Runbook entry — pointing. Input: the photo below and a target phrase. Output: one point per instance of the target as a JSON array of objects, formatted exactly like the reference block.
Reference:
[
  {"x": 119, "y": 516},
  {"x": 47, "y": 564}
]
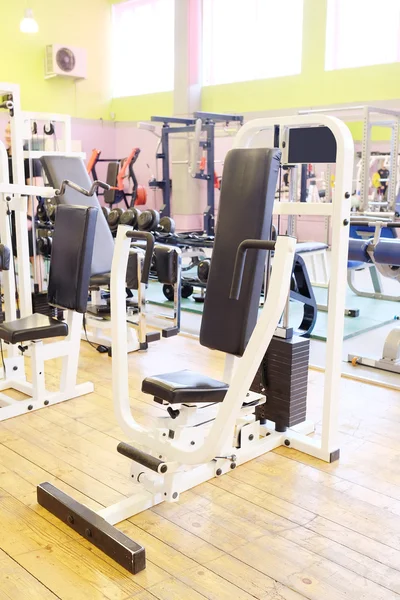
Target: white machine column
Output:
[
  {"x": 20, "y": 203},
  {"x": 188, "y": 194}
]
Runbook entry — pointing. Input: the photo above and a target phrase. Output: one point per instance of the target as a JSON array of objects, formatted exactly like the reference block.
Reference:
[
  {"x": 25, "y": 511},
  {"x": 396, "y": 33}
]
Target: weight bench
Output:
[
  {"x": 364, "y": 231},
  {"x": 68, "y": 289},
  {"x": 384, "y": 256}
]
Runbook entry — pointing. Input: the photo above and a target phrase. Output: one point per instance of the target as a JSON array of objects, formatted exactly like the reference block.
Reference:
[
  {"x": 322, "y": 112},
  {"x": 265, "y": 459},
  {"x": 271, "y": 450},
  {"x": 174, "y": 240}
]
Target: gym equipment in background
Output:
[
  {"x": 201, "y": 165},
  {"x": 368, "y": 200},
  {"x": 98, "y": 323},
  {"x": 120, "y": 175},
  {"x": 68, "y": 290},
  {"x": 384, "y": 254},
  {"x": 363, "y": 228},
  {"x": 211, "y": 427}
]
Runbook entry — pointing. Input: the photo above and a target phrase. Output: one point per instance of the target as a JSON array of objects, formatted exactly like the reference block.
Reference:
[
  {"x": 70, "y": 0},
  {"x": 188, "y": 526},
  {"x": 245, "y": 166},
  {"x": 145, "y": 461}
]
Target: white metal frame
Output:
[
  {"x": 13, "y": 197},
  {"x": 39, "y": 397},
  {"x": 99, "y": 329},
  {"x": 390, "y": 119},
  {"x": 195, "y": 454}
]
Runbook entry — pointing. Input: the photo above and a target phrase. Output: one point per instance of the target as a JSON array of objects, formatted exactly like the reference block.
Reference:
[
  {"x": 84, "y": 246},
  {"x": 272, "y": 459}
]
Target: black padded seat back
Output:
[
  {"x": 245, "y": 211},
  {"x": 71, "y": 256},
  {"x": 111, "y": 179},
  {"x": 58, "y": 168}
]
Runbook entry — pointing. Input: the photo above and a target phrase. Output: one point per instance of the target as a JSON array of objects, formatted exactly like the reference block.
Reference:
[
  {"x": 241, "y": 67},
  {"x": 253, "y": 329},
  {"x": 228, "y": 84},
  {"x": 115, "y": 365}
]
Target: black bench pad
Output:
[
  {"x": 34, "y": 327},
  {"x": 184, "y": 387},
  {"x": 100, "y": 279}
]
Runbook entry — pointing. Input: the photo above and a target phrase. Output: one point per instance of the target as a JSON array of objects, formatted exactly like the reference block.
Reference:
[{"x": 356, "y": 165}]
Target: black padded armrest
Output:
[
  {"x": 149, "y": 239},
  {"x": 240, "y": 260}
]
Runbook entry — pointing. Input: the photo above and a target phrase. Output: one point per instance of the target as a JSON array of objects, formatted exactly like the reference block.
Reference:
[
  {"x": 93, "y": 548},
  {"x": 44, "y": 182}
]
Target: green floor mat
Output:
[{"x": 373, "y": 313}]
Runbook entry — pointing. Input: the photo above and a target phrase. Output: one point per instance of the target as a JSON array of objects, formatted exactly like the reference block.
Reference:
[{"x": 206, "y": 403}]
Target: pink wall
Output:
[
  {"x": 116, "y": 140},
  {"x": 98, "y": 135}
]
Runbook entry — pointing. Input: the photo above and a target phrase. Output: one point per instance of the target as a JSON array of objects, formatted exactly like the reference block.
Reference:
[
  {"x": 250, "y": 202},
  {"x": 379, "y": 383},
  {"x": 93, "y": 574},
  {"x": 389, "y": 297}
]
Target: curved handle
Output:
[
  {"x": 93, "y": 188},
  {"x": 240, "y": 260},
  {"x": 149, "y": 239}
]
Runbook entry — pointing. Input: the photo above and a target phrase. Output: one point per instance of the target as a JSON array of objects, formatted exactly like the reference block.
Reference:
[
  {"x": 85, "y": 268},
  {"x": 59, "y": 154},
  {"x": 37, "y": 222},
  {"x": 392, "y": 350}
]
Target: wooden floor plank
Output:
[
  {"x": 17, "y": 584},
  {"x": 331, "y": 498},
  {"x": 254, "y": 582},
  {"x": 285, "y": 526}
]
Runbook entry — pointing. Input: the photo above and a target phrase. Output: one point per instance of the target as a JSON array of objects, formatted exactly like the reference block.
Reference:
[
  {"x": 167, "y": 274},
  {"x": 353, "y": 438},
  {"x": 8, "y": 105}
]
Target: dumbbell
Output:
[
  {"x": 106, "y": 211},
  {"x": 149, "y": 220},
  {"x": 44, "y": 245},
  {"x": 130, "y": 217},
  {"x": 203, "y": 270},
  {"x": 51, "y": 212},
  {"x": 41, "y": 214},
  {"x": 113, "y": 219}
]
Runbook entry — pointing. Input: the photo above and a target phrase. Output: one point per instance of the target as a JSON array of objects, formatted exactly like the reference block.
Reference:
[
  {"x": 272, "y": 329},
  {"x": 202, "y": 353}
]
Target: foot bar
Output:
[
  {"x": 94, "y": 528},
  {"x": 147, "y": 460}
]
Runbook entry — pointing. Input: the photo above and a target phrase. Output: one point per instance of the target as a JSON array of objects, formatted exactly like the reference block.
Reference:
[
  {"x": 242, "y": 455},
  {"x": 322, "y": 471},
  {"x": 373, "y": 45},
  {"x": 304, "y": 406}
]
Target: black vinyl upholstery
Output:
[
  {"x": 58, "y": 168},
  {"x": 245, "y": 212},
  {"x": 34, "y": 327},
  {"x": 100, "y": 279},
  {"x": 71, "y": 257},
  {"x": 184, "y": 387},
  {"x": 111, "y": 179}
]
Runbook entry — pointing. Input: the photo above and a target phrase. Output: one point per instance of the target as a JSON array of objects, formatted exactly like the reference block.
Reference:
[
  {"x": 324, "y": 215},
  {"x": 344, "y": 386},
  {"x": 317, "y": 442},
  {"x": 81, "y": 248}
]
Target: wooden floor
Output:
[{"x": 283, "y": 527}]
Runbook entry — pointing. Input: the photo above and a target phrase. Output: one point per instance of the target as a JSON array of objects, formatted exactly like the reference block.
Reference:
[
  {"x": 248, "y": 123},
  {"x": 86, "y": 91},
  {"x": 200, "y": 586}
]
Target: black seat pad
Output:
[
  {"x": 184, "y": 387},
  {"x": 34, "y": 327},
  {"x": 100, "y": 279}
]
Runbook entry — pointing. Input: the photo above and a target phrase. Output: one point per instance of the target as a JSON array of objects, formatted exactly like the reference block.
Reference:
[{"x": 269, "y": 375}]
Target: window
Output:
[
  {"x": 251, "y": 39},
  {"x": 143, "y": 47},
  {"x": 361, "y": 33}
]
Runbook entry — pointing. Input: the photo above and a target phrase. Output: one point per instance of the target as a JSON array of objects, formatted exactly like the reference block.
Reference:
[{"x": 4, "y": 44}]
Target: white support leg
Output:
[
  {"x": 70, "y": 361},
  {"x": 37, "y": 364}
]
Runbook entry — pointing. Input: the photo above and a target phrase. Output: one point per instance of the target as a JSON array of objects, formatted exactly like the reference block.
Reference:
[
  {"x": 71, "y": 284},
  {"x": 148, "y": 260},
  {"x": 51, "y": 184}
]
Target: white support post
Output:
[
  {"x": 70, "y": 361},
  {"x": 393, "y": 169},
  {"x": 21, "y": 202},
  {"x": 37, "y": 367},
  {"x": 186, "y": 193},
  {"x": 7, "y": 277}
]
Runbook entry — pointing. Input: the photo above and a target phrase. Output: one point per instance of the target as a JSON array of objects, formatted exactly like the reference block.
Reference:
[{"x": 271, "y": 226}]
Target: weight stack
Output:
[
  {"x": 283, "y": 378},
  {"x": 41, "y": 305}
]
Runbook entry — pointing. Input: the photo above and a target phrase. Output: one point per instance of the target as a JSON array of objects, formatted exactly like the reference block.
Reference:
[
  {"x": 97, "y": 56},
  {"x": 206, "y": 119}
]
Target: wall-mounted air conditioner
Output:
[{"x": 65, "y": 61}]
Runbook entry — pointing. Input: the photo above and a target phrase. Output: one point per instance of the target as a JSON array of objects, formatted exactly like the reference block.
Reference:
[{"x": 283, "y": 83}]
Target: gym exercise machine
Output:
[
  {"x": 364, "y": 228},
  {"x": 211, "y": 427},
  {"x": 97, "y": 322},
  {"x": 27, "y": 332},
  {"x": 201, "y": 163},
  {"x": 374, "y": 117},
  {"x": 120, "y": 175},
  {"x": 384, "y": 254}
]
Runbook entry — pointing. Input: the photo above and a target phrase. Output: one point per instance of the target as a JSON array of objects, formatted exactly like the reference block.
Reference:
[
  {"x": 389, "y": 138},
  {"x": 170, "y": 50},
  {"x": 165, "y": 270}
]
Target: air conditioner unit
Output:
[{"x": 65, "y": 61}]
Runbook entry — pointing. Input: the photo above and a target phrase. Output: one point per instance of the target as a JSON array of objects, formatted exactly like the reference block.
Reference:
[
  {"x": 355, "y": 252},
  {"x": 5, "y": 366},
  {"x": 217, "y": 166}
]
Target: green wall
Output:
[
  {"x": 313, "y": 87},
  {"x": 81, "y": 23},
  {"x": 87, "y": 23}
]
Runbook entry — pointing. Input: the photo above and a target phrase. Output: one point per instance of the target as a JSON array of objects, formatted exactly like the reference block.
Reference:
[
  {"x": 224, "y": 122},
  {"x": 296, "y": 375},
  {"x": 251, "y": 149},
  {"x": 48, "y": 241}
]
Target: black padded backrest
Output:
[
  {"x": 71, "y": 256},
  {"x": 58, "y": 168},
  {"x": 245, "y": 211},
  {"x": 111, "y": 179}
]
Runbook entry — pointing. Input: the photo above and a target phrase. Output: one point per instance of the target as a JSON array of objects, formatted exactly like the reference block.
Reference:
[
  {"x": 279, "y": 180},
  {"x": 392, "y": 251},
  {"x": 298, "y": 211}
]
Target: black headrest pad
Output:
[
  {"x": 71, "y": 257},
  {"x": 245, "y": 211}
]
